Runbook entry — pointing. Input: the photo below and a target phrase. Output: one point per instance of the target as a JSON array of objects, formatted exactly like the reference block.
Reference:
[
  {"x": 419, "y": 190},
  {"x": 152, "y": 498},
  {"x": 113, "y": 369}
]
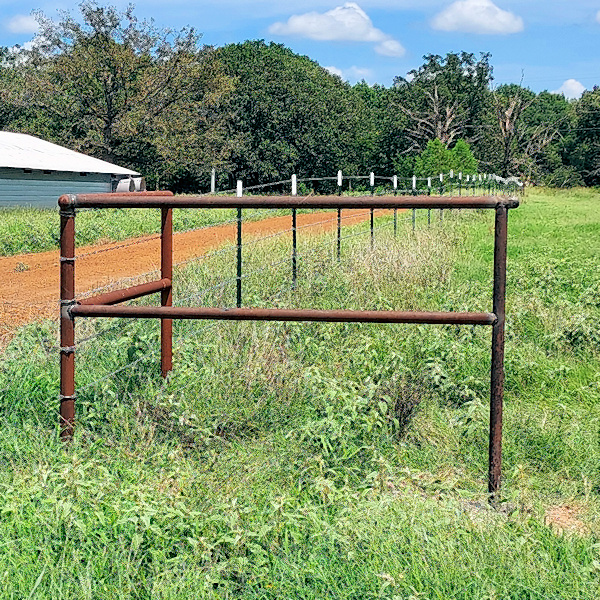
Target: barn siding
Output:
[{"x": 40, "y": 189}]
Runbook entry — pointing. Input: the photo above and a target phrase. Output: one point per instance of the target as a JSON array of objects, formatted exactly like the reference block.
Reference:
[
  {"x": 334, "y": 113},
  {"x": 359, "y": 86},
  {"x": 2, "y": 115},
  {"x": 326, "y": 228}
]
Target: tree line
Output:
[{"x": 161, "y": 102}]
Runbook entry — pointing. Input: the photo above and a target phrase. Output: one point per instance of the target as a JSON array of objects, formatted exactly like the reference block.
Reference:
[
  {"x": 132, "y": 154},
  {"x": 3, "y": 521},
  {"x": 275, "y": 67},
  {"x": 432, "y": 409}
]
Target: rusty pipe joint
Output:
[
  {"x": 66, "y": 205},
  {"x": 66, "y": 308}
]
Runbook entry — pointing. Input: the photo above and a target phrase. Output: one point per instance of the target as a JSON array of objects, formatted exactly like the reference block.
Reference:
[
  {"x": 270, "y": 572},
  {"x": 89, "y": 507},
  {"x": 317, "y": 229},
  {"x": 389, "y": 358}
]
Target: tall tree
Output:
[
  {"x": 585, "y": 151},
  {"x": 380, "y": 132},
  {"x": 526, "y": 126},
  {"x": 291, "y": 115},
  {"x": 444, "y": 98},
  {"x": 106, "y": 82}
]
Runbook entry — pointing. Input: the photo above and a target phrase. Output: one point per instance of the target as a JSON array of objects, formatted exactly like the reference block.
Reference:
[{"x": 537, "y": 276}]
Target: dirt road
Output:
[{"x": 29, "y": 282}]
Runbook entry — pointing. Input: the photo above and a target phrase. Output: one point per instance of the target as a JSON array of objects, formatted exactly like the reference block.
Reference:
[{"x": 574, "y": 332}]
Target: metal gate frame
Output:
[{"x": 106, "y": 305}]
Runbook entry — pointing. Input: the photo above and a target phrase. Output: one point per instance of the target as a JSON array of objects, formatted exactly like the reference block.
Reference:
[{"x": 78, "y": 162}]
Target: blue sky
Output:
[{"x": 550, "y": 44}]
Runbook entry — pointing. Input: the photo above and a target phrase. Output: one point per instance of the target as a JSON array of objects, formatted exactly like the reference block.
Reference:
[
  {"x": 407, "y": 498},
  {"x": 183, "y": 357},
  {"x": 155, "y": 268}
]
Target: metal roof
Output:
[{"x": 22, "y": 151}]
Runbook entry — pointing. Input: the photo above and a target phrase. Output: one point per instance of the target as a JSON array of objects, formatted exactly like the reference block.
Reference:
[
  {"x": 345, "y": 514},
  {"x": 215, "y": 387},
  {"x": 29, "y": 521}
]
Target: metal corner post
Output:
[
  {"x": 497, "y": 368},
  {"x": 67, "y": 322},
  {"x": 166, "y": 295}
]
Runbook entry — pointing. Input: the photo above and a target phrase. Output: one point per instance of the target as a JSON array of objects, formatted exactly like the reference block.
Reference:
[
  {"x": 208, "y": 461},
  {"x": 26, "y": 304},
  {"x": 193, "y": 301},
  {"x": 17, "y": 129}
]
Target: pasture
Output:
[{"x": 314, "y": 461}]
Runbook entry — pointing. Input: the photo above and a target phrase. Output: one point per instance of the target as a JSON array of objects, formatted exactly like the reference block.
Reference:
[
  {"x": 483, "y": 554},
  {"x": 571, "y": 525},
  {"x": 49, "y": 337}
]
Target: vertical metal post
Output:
[
  {"x": 294, "y": 251},
  {"x": 414, "y": 210},
  {"x": 239, "y": 259},
  {"x": 441, "y": 194},
  {"x": 395, "y": 184},
  {"x": 213, "y": 181},
  {"x": 339, "y": 234},
  {"x": 294, "y": 235},
  {"x": 239, "y": 193},
  {"x": 497, "y": 371},
  {"x": 372, "y": 186},
  {"x": 67, "y": 322},
  {"x": 339, "y": 217},
  {"x": 166, "y": 296}
]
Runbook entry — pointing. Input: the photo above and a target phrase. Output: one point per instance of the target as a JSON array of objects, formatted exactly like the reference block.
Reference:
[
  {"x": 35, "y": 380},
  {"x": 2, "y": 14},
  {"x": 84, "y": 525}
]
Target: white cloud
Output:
[
  {"x": 355, "y": 73},
  {"x": 347, "y": 23},
  {"x": 22, "y": 24},
  {"x": 334, "y": 71},
  {"x": 477, "y": 16},
  {"x": 571, "y": 88},
  {"x": 390, "y": 48},
  {"x": 359, "y": 73}
]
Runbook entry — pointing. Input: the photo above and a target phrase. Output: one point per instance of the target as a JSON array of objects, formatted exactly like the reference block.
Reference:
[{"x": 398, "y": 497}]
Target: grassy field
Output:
[
  {"x": 317, "y": 461},
  {"x": 24, "y": 230}
]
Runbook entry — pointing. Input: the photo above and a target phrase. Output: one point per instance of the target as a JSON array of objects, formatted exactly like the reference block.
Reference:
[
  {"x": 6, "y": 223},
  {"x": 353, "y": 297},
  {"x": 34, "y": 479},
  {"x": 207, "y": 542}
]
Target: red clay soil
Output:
[{"x": 29, "y": 282}]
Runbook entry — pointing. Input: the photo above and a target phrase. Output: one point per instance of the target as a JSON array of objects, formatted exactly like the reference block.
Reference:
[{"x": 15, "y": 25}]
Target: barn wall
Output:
[{"x": 40, "y": 189}]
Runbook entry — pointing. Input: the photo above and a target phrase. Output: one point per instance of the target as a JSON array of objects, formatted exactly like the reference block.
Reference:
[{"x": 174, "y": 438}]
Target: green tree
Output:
[
  {"x": 112, "y": 86},
  {"x": 445, "y": 98},
  {"x": 435, "y": 159},
  {"x": 527, "y": 137},
  {"x": 381, "y": 142},
  {"x": 584, "y": 153},
  {"x": 290, "y": 114},
  {"x": 462, "y": 158}
]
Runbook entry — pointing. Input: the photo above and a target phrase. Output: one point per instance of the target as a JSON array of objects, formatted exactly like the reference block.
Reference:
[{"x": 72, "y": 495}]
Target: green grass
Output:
[
  {"x": 322, "y": 460},
  {"x": 24, "y": 230}
]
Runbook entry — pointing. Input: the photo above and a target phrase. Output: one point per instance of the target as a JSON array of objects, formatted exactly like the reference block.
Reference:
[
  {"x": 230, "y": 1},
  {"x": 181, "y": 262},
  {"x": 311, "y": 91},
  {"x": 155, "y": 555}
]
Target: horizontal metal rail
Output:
[
  {"x": 130, "y": 293},
  {"x": 141, "y": 200},
  {"x": 103, "y": 305},
  {"x": 281, "y": 314}
]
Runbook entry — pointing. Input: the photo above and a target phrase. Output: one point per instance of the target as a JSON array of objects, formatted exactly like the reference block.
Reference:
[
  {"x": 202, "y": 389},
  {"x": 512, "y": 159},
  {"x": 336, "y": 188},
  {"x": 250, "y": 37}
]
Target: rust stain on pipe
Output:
[
  {"x": 131, "y": 293},
  {"x": 134, "y": 200},
  {"x": 497, "y": 369},
  {"x": 67, "y": 324},
  {"x": 166, "y": 297},
  {"x": 70, "y": 200},
  {"x": 275, "y": 314}
]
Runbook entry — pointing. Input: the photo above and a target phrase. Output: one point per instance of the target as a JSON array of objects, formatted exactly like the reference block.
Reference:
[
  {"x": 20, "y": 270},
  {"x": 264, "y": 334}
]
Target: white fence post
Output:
[
  {"x": 240, "y": 188},
  {"x": 294, "y": 185},
  {"x": 213, "y": 181}
]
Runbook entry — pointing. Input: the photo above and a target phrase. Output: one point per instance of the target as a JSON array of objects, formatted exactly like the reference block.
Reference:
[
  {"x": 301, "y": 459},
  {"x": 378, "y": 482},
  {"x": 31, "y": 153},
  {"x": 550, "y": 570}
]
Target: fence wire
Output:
[{"x": 178, "y": 341}]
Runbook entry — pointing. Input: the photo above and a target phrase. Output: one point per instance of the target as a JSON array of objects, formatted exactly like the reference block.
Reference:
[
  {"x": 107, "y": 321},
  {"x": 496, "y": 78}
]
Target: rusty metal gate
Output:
[{"x": 107, "y": 305}]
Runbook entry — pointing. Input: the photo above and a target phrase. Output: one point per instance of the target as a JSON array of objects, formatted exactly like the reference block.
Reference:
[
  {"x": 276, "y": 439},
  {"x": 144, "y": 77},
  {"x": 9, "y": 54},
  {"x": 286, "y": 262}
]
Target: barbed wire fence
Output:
[{"x": 443, "y": 184}]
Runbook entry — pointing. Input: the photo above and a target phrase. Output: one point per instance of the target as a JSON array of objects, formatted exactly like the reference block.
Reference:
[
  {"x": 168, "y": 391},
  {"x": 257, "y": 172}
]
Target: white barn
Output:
[{"x": 34, "y": 172}]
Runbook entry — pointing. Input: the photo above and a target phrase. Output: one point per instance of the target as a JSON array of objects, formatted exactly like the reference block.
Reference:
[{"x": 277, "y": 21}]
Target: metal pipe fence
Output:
[{"x": 109, "y": 304}]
